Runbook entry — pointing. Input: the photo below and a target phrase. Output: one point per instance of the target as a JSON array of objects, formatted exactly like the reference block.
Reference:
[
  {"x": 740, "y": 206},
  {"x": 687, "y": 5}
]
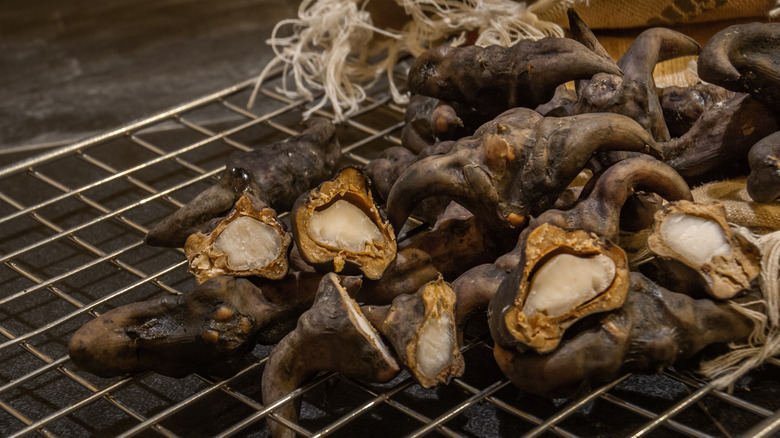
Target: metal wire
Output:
[{"x": 71, "y": 247}]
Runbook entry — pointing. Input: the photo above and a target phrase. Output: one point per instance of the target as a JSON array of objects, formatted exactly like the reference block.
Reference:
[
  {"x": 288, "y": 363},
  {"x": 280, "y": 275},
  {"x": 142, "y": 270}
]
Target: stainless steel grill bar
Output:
[
  {"x": 513, "y": 410},
  {"x": 574, "y": 407},
  {"x": 267, "y": 410},
  {"x": 134, "y": 181},
  {"x": 145, "y": 144},
  {"x": 21, "y": 417},
  {"x": 89, "y": 202},
  {"x": 62, "y": 412},
  {"x": 377, "y": 400},
  {"x": 738, "y": 402},
  {"x": 70, "y": 231},
  {"x": 184, "y": 403},
  {"x": 57, "y": 364},
  {"x": 471, "y": 401},
  {"x": 682, "y": 405},
  {"x": 374, "y": 135},
  {"x": 79, "y": 241},
  {"x": 210, "y": 133},
  {"x": 78, "y": 312},
  {"x": 650, "y": 415},
  {"x": 65, "y": 297},
  {"x": 411, "y": 412},
  {"x": 33, "y": 374},
  {"x": 159, "y": 159},
  {"x": 767, "y": 428}
]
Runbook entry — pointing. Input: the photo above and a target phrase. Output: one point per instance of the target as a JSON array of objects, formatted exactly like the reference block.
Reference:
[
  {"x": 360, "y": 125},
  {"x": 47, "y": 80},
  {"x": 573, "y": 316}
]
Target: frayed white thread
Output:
[
  {"x": 764, "y": 341},
  {"x": 323, "y": 36},
  {"x": 332, "y": 41},
  {"x": 775, "y": 12}
]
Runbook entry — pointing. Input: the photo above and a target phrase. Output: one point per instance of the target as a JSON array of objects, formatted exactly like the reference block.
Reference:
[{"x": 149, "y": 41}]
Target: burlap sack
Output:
[
  {"x": 618, "y": 14},
  {"x": 740, "y": 209}
]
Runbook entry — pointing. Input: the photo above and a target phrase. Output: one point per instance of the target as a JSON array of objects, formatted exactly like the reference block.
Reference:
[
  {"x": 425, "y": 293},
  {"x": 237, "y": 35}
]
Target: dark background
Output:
[{"x": 70, "y": 69}]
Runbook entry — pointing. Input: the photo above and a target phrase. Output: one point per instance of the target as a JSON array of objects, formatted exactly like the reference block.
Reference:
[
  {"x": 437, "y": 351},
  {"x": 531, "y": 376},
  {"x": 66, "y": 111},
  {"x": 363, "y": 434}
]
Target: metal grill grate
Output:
[{"x": 71, "y": 228}]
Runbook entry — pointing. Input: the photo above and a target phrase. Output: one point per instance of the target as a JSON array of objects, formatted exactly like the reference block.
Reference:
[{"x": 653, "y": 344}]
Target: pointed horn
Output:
[
  {"x": 572, "y": 61},
  {"x": 588, "y": 133},
  {"x": 638, "y": 63},
  {"x": 645, "y": 173},
  {"x": 740, "y": 49},
  {"x": 581, "y": 33},
  {"x": 714, "y": 60},
  {"x": 652, "y": 46},
  {"x": 432, "y": 176},
  {"x": 429, "y": 74},
  {"x": 621, "y": 180}
]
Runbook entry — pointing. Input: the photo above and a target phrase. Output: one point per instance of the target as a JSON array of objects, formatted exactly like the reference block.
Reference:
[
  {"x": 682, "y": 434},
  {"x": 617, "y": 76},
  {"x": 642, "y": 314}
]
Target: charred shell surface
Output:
[
  {"x": 251, "y": 240},
  {"x": 698, "y": 236},
  {"x": 383, "y": 171},
  {"x": 514, "y": 166},
  {"x": 620, "y": 95},
  {"x": 632, "y": 93},
  {"x": 410, "y": 270},
  {"x": 682, "y": 106},
  {"x": 763, "y": 183},
  {"x": 458, "y": 241},
  {"x": 208, "y": 330},
  {"x": 494, "y": 79},
  {"x": 276, "y": 173},
  {"x": 475, "y": 287},
  {"x": 744, "y": 58},
  {"x": 653, "y": 329},
  {"x": 338, "y": 227},
  {"x": 195, "y": 215},
  {"x": 331, "y": 336},
  {"x": 295, "y": 293},
  {"x": 717, "y": 145},
  {"x": 428, "y": 120},
  {"x": 638, "y": 63},
  {"x": 562, "y": 276},
  {"x": 561, "y": 104},
  {"x": 421, "y": 328},
  {"x": 286, "y": 169},
  {"x": 417, "y": 132}
]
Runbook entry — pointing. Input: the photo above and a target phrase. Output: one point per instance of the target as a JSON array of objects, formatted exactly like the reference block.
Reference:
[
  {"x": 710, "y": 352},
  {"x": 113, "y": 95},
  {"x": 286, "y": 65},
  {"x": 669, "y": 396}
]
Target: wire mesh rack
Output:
[{"x": 72, "y": 223}]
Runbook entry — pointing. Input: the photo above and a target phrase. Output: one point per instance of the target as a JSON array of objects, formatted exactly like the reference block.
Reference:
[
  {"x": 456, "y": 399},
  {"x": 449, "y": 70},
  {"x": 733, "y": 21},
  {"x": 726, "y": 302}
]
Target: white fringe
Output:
[
  {"x": 775, "y": 12},
  {"x": 764, "y": 341},
  {"x": 332, "y": 41}
]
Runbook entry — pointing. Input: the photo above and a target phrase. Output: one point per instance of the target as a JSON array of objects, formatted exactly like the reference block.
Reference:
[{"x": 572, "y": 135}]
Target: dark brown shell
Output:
[{"x": 653, "y": 329}]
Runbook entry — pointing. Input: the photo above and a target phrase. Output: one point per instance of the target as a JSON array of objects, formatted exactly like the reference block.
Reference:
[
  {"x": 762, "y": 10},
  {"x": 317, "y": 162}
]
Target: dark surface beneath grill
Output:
[{"x": 69, "y": 69}]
